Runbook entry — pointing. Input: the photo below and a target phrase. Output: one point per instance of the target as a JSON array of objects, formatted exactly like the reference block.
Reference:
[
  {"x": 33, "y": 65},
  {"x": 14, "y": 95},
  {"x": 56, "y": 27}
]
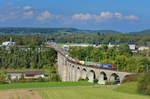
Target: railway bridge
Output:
[{"x": 71, "y": 71}]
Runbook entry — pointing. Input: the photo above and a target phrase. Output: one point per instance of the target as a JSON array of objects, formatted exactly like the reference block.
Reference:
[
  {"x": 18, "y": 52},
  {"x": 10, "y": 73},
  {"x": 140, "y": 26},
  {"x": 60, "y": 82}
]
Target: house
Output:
[
  {"x": 9, "y": 43},
  {"x": 34, "y": 74},
  {"x": 27, "y": 74},
  {"x": 141, "y": 48},
  {"x": 67, "y": 47},
  {"x": 14, "y": 75},
  {"x": 132, "y": 46},
  {"x": 112, "y": 44}
]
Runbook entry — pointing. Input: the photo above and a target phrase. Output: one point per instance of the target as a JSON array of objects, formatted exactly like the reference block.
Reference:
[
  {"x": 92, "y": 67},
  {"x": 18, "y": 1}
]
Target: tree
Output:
[
  {"x": 124, "y": 49},
  {"x": 144, "y": 83}
]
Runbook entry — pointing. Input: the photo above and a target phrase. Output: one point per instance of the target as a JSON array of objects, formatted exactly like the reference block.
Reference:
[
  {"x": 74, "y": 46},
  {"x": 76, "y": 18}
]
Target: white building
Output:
[
  {"x": 9, "y": 43},
  {"x": 66, "y": 47},
  {"x": 26, "y": 74},
  {"x": 132, "y": 46},
  {"x": 143, "y": 48},
  {"x": 14, "y": 75},
  {"x": 112, "y": 44}
]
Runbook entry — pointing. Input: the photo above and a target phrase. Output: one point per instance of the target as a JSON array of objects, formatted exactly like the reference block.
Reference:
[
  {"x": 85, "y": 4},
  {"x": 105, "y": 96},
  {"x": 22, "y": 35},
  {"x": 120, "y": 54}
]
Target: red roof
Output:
[
  {"x": 28, "y": 72},
  {"x": 33, "y": 72}
]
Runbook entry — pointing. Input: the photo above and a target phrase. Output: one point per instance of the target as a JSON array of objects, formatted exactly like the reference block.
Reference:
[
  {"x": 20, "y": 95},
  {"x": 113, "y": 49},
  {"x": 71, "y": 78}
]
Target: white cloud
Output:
[
  {"x": 118, "y": 15},
  {"x": 28, "y": 15},
  {"x": 103, "y": 16},
  {"x": 106, "y": 14},
  {"x": 131, "y": 17},
  {"x": 82, "y": 16},
  {"x": 44, "y": 16},
  {"x": 21, "y": 14},
  {"x": 27, "y": 7}
]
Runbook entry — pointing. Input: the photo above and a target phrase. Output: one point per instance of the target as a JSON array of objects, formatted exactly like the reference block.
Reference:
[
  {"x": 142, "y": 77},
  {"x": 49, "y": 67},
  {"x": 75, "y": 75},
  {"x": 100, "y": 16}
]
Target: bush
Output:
[
  {"x": 81, "y": 79},
  {"x": 86, "y": 79},
  {"x": 131, "y": 78},
  {"x": 22, "y": 77},
  {"x": 95, "y": 81},
  {"x": 55, "y": 77},
  {"x": 109, "y": 83},
  {"x": 22, "y": 81},
  {"x": 15, "y": 80},
  {"x": 144, "y": 84},
  {"x": 40, "y": 79},
  {"x": 3, "y": 80},
  {"x": 31, "y": 80}
]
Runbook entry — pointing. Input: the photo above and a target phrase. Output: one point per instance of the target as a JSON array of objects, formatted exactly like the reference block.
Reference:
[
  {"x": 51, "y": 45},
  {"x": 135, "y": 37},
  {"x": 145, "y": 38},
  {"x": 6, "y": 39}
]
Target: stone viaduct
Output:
[{"x": 70, "y": 71}]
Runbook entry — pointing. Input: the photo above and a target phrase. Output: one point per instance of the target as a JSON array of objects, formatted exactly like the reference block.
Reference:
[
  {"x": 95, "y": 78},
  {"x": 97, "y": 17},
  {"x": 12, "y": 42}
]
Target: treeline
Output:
[
  {"x": 96, "y": 38},
  {"x": 24, "y": 40},
  {"x": 121, "y": 57},
  {"x": 25, "y": 30},
  {"x": 100, "y": 38},
  {"x": 27, "y": 58}
]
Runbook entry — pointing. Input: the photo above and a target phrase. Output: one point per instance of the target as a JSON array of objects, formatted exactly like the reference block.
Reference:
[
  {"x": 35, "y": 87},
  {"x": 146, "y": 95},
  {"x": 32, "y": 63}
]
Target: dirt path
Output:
[{"x": 19, "y": 94}]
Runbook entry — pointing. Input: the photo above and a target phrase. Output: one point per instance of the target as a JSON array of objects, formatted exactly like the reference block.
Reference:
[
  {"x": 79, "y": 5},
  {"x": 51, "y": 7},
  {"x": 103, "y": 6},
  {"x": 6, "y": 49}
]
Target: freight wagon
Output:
[{"x": 88, "y": 63}]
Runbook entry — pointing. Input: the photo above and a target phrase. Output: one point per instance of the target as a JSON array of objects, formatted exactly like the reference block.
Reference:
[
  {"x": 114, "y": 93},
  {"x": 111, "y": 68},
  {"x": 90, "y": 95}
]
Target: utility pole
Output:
[
  {"x": 147, "y": 69},
  {"x": 117, "y": 66},
  {"x": 99, "y": 59},
  {"x": 10, "y": 39},
  {"x": 137, "y": 68}
]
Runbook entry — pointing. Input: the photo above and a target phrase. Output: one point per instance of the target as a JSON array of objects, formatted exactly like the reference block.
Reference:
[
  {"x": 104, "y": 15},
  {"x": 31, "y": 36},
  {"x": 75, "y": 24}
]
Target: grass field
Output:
[
  {"x": 124, "y": 91},
  {"x": 87, "y": 93},
  {"x": 127, "y": 88},
  {"x": 43, "y": 84}
]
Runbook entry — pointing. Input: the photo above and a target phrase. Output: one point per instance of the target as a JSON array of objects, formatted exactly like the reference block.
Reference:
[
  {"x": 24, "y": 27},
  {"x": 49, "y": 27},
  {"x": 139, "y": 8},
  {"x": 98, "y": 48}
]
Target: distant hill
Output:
[
  {"x": 142, "y": 32},
  {"x": 23, "y": 30}
]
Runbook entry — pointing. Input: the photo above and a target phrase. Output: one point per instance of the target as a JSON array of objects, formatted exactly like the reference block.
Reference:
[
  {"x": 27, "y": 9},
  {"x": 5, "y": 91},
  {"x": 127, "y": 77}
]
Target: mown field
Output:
[
  {"x": 126, "y": 91},
  {"x": 19, "y": 94},
  {"x": 59, "y": 90},
  {"x": 42, "y": 85}
]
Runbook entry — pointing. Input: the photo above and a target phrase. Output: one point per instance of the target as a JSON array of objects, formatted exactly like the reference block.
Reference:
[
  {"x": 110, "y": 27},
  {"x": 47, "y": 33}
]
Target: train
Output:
[
  {"x": 88, "y": 63},
  {"x": 108, "y": 66}
]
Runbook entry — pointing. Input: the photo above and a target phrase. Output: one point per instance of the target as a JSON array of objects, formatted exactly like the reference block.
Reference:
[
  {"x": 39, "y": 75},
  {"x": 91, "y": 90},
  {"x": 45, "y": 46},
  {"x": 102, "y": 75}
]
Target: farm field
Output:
[
  {"x": 87, "y": 93},
  {"x": 19, "y": 94},
  {"x": 43, "y": 85},
  {"x": 124, "y": 91}
]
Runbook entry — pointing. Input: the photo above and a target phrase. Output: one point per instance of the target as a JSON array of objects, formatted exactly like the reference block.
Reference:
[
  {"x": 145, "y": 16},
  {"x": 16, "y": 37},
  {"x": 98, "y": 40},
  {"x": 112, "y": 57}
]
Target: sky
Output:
[{"x": 119, "y": 15}]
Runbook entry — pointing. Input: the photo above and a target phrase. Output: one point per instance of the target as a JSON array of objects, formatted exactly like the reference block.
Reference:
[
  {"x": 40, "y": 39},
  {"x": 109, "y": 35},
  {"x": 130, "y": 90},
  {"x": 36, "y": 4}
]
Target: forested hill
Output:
[
  {"x": 142, "y": 32},
  {"x": 22, "y": 30}
]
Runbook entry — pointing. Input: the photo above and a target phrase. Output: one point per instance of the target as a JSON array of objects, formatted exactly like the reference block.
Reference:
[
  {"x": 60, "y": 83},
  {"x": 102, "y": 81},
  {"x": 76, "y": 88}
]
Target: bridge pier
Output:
[
  {"x": 78, "y": 74},
  {"x": 73, "y": 74},
  {"x": 83, "y": 74},
  {"x": 91, "y": 76},
  {"x": 101, "y": 80}
]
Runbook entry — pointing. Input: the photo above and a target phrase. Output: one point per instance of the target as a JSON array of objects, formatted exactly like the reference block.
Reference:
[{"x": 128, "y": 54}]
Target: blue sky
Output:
[{"x": 120, "y": 15}]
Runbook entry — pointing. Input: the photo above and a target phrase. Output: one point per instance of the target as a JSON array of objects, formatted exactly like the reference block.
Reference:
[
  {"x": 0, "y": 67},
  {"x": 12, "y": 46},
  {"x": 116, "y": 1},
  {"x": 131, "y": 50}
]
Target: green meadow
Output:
[
  {"x": 42, "y": 85},
  {"x": 67, "y": 90},
  {"x": 125, "y": 91}
]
